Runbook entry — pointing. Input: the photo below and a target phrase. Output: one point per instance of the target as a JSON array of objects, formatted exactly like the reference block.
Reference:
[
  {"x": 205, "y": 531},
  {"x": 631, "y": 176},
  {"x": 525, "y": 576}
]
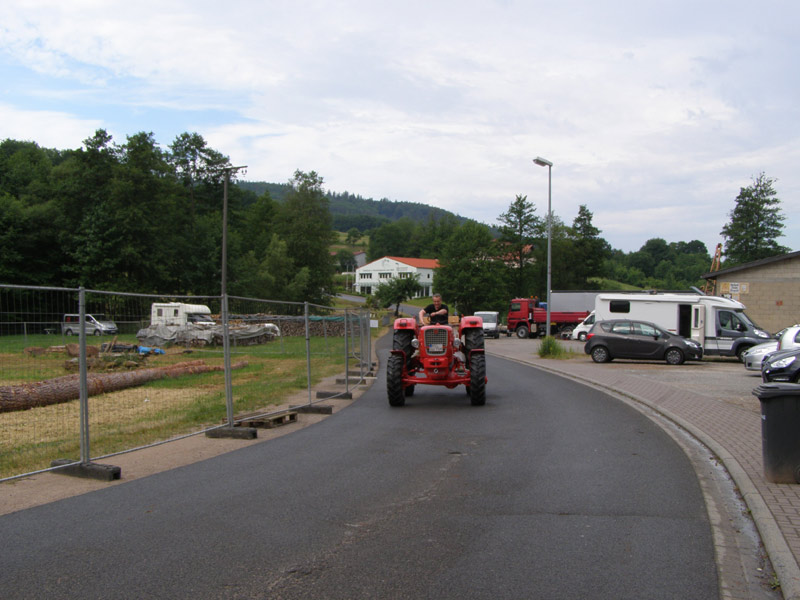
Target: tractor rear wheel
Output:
[
  {"x": 394, "y": 380},
  {"x": 401, "y": 340},
  {"x": 473, "y": 340},
  {"x": 477, "y": 380}
]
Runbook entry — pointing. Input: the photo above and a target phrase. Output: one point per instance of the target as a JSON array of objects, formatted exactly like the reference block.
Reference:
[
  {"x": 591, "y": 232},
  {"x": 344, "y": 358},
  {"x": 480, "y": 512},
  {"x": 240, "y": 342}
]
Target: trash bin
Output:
[{"x": 780, "y": 431}]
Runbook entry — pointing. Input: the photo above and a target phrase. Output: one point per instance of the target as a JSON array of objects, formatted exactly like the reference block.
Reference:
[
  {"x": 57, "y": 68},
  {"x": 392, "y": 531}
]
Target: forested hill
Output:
[{"x": 350, "y": 211}]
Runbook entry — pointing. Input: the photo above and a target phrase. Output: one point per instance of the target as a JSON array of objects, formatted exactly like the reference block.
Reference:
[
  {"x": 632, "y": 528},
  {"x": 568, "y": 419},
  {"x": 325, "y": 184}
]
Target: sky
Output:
[{"x": 654, "y": 114}]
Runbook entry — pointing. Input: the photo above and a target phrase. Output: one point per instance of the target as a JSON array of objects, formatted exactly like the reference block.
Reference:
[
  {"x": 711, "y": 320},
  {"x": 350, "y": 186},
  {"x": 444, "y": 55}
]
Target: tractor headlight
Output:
[
  {"x": 456, "y": 343},
  {"x": 415, "y": 343}
]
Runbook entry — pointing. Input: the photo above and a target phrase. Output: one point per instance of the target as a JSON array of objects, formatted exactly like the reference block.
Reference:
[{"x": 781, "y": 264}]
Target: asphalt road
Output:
[{"x": 552, "y": 490}]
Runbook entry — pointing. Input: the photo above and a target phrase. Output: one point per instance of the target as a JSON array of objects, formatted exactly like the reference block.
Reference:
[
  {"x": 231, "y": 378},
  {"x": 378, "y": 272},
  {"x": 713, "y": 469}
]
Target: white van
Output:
[
  {"x": 95, "y": 325},
  {"x": 491, "y": 323},
  {"x": 582, "y": 328},
  {"x": 718, "y": 324}
]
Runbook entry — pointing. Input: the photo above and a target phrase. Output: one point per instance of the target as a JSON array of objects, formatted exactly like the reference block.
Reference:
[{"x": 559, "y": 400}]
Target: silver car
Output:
[
  {"x": 785, "y": 339},
  {"x": 754, "y": 356}
]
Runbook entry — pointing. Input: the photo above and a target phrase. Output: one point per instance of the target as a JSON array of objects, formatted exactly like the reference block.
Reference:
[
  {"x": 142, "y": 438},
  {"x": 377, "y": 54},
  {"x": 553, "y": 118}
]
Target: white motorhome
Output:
[
  {"x": 719, "y": 324},
  {"x": 179, "y": 314}
]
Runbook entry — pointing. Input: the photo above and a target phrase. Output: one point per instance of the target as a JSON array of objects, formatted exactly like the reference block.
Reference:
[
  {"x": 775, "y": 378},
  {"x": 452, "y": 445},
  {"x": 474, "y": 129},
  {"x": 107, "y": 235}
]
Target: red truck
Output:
[{"x": 529, "y": 321}]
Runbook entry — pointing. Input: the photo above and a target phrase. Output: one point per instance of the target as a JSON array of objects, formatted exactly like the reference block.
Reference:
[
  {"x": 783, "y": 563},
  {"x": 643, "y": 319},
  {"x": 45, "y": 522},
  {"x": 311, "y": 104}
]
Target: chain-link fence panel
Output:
[
  {"x": 36, "y": 424},
  {"x": 154, "y": 367}
]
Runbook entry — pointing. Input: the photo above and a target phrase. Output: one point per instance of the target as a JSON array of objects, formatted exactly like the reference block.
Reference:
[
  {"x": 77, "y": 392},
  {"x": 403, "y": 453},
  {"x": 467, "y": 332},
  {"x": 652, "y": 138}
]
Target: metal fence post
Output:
[
  {"x": 346, "y": 355},
  {"x": 83, "y": 380},
  {"x": 308, "y": 351},
  {"x": 226, "y": 351}
]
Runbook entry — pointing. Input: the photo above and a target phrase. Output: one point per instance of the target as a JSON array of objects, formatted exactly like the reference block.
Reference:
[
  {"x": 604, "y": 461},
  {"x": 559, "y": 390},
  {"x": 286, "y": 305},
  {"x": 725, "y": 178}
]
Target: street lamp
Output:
[{"x": 543, "y": 162}]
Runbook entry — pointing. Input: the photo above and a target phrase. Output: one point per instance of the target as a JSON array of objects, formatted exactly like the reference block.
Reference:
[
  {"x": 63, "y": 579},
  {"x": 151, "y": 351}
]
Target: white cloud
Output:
[{"x": 646, "y": 114}]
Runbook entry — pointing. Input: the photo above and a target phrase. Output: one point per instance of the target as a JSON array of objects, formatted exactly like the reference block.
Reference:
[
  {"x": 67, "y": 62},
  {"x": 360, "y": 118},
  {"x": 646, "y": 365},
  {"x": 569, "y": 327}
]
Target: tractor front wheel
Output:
[
  {"x": 394, "y": 380},
  {"x": 477, "y": 379}
]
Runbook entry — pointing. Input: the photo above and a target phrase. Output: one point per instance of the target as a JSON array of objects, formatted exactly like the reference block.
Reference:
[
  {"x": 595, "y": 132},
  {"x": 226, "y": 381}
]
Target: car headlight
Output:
[
  {"x": 760, "y": 333},
  {"x": 782, "y": 363},
  {"x": 692, "y": 343}
]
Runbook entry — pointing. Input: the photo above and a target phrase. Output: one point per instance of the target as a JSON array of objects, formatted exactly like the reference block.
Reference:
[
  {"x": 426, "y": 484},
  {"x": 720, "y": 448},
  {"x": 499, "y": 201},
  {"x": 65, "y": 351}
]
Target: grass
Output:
[
  {"x": 550, "y": 347},
  {"x": 159, "y": 410}
]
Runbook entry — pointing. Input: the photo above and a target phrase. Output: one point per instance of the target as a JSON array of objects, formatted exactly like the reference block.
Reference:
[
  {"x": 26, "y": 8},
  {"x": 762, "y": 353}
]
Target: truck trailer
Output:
[
  {"x": 528, "y": 320},
  {"x": 718, "y": 324}
]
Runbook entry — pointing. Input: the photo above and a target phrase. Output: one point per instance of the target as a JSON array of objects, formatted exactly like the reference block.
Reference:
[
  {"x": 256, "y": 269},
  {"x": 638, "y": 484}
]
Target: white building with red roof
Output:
[{"x": 373, "y": 274}]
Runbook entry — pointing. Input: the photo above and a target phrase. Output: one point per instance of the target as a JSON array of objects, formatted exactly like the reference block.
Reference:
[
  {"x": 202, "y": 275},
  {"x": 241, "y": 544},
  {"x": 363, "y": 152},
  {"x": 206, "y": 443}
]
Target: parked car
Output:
[
  {"x": 583, "y": 328},
  {"x": 94, "y": 325},
  {"x": 753, "y": 358},
  {"x": 783, "y": 365},
  {"x": 623, "y": 338},
  {"x": 786, "y": 339}
]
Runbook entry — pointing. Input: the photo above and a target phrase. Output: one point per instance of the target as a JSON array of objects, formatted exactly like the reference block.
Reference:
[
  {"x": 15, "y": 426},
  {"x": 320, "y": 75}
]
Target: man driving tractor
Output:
[{"x": 437, "y": 311}]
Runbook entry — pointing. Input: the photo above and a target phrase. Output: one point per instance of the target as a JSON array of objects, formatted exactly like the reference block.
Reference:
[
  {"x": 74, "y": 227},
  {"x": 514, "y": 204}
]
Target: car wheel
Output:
[
  {"x": 582, "y": 336},
  {"x": 70, "y": 332},
  {"x": 600, "y": 354},
  {"x": 674, "y": 356}
]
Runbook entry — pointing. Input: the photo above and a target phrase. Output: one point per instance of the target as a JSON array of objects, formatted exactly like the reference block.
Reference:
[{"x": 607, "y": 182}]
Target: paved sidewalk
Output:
[{"x": 712, "y": 400}]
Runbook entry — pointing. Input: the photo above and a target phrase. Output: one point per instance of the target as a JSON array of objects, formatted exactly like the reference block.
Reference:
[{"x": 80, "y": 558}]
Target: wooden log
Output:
[{"x": 67, "y": 388}]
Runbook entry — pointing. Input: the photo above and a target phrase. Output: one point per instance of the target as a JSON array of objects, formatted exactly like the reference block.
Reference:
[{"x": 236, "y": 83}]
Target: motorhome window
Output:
[
  {"x": 160, "y": 312},
  {"x": 175, "y": 312},
  {"x": 619, "y": 306}
]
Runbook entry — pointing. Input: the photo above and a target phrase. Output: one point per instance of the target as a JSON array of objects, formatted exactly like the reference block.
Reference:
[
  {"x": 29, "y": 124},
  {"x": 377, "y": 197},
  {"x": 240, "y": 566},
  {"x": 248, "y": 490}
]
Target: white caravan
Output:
[
  {"x": 719, "y": 324},
  {"x": 179, "y": 314}
]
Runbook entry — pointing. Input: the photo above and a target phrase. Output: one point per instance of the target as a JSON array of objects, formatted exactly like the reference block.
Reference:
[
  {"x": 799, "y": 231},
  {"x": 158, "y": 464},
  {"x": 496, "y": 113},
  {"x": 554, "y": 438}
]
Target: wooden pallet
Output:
[{"x": 285, "y": 417}]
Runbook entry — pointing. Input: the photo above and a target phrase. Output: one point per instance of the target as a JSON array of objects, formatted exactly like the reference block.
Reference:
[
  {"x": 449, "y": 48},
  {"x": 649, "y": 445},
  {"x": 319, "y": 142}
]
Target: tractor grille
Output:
[{"x": 436, "y": 341}]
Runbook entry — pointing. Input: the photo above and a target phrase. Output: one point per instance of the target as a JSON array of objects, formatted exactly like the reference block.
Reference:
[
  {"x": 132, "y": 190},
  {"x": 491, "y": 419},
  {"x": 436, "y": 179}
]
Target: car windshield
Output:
[
  {"x": 489, "y": 318},
  {"x": 747, "y": 320}
]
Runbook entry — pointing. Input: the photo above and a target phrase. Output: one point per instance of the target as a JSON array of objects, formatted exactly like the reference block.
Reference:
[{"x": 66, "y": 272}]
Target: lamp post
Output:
[{"x": 542, "y": 162}]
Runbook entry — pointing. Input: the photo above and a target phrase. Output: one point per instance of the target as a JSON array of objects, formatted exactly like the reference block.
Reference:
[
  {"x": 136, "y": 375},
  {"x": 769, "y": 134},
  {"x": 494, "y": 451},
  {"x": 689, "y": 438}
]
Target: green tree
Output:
[
  {"x": 304, "y": 223},
  {"x": 353, "y": 235},
  {"x": 469, "y": 277},
  {"x": 392, "y": 239},
  {"x": 519, "y": 228},
  {"x": 756, "y": 223},
  {"x": 397, "y": 291},
  {"x": 590, "y": 250}
]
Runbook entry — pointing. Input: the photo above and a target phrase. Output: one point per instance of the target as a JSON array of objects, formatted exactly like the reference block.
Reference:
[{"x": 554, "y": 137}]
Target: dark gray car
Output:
[{"x": 623, "y": 338}]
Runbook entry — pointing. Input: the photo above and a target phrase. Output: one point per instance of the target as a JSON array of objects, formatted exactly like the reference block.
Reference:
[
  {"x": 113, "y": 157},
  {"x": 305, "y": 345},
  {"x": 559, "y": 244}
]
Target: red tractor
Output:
[{"x": 435, "y": 355}]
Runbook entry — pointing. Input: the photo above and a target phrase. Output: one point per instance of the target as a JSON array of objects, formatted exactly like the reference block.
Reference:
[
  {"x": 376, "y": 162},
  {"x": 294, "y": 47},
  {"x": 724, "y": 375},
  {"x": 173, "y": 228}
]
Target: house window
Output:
[
  {"x": 384, "y": 275},
  {"x": 365, "y": 275}
]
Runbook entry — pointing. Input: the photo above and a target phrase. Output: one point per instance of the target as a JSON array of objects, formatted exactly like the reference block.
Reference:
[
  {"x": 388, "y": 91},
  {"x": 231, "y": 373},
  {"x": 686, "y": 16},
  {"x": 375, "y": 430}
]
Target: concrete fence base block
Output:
[
  {"x": 319, "y": 409},
  {"x": 237, "y": 433},
  {"x": 88, "y": 470},
  {"x": 344, "y": 395}
]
